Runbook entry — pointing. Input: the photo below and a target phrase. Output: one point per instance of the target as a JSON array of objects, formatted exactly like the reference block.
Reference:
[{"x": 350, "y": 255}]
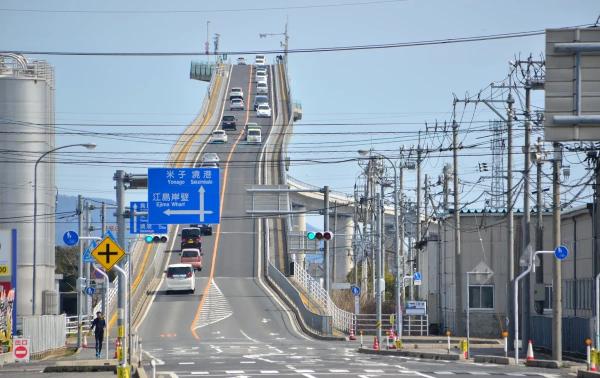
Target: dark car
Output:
[
  {"x": 191, "y": 238},
  {"x": 229, "y": 122}
]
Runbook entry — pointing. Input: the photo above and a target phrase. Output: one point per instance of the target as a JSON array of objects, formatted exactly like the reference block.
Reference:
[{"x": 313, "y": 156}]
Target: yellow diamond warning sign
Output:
[{"x": 108, "y": 253}]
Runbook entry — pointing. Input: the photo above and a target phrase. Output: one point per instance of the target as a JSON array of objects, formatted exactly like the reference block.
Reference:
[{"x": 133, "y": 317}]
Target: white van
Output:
[{"x": 254, "y": 135}]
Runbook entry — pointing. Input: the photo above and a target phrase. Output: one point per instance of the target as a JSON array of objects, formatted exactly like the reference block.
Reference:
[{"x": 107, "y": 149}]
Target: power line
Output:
[{"x": 445, "y": 41}]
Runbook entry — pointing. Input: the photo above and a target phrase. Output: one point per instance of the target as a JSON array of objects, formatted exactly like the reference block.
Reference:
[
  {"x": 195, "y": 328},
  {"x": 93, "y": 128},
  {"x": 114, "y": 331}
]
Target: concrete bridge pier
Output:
[
  {"x": 299, "y": 225},
  {"x": 341, "y": 247}
]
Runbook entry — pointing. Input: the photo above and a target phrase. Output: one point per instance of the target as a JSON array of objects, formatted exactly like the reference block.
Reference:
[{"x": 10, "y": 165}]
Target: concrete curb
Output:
[
  {"x": 82, "y": 366},
  {"x": 500, "y": 360},
  {"x": 424, "y": 355},
  {"x": 587, "y": 374},
  {"x": 548, "y": 364}
]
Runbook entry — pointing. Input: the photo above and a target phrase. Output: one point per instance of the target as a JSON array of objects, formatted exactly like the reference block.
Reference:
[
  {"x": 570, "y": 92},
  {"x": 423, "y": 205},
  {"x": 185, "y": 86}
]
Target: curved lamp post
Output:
[
  {"x": 396, "y": 236},
  {"x": 89, "y": 146}
]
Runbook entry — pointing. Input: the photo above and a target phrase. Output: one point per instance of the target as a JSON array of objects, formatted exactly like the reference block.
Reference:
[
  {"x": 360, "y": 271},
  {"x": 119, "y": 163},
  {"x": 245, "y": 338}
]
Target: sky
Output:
[{"x": 391, "y": 90}]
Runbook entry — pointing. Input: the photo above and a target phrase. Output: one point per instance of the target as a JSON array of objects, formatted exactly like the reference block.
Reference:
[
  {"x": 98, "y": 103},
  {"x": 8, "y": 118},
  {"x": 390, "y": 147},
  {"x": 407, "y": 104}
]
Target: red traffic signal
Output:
[{"x": 325, "y": 235}]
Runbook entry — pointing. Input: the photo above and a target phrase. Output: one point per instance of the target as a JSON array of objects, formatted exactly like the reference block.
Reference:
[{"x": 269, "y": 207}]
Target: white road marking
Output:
[
  {"x": 158, "y": 360},
  {"x": 199, "y": 373},
  {"x": 247, "y": 362},
  {"x": 443, "y": 372},
  {"x": 308, "y": 375},
  {"x": 339, "y": 371},
  {"x": 248, "y": 337},
  {"x": 269, "y": 372},
  {"x": 186, "y": 363},
  {"x": 373, "y": 371},
  {"x": 234, "y": 372},
  {"x": 516, "y": 374},
  {"x": 303, "y": 371}
]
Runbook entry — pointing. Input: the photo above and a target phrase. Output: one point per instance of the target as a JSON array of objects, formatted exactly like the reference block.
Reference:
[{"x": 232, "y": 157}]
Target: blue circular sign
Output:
[
  {"x": 70, "y": 238},
  {"x": 561, "y": 252},
  {"x": 90, "y": 290},
  {"x": 417, "y": 276},
  {"x": 355, "y": 290}
]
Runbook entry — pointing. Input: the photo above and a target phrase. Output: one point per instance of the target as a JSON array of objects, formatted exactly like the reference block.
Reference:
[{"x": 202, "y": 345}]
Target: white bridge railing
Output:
[{"x": 342, "y": 320}]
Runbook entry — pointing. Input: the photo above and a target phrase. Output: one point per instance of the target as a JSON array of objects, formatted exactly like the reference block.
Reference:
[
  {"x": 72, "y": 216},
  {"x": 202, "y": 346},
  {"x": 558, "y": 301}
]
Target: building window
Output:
[
  {"x": 548, "y": 297},
  {"x": 481, "y": 296}
]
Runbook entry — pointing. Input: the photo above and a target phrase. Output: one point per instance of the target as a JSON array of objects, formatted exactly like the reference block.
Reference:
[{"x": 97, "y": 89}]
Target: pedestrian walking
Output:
[{"x": 99, "y": 324}]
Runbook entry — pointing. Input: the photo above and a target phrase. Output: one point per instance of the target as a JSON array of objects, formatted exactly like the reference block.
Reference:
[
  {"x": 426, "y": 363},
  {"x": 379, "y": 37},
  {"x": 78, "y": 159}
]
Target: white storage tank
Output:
[{"x": 26, "y": 132}]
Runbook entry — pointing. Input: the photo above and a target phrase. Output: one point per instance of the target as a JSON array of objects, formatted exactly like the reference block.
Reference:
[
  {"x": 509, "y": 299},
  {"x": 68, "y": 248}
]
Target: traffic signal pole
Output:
[
  {"x": 80, "y": 270},
  {"x": 122, "y": 289}
]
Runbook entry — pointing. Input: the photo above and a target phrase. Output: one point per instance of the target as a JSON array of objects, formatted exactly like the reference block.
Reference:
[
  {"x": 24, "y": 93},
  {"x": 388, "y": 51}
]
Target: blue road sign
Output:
[
  {"x": 138, "y": 224},
  {"x": 355, "y": 290},
  {"x": 417, "y": 276},
  {"x": 90, "y": 290},
  {"x": 87, "y": 253},
  {"x": 70, "y": 238},
  {"x": 183, "y": 195},
  {"x": 110, "y": 235},
  {"x": 561, "y": 252}
]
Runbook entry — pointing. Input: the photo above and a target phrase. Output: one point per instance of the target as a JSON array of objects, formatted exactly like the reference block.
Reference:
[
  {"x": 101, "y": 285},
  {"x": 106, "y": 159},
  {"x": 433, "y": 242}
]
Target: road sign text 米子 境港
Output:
[
  {"x": 107, "y": 253},
  {"x": 183, "y": 195}
]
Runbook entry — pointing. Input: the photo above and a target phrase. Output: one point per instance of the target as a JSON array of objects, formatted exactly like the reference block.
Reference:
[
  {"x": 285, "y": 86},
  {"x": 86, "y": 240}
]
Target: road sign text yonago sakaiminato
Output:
[{"x": 183, "y": 195}]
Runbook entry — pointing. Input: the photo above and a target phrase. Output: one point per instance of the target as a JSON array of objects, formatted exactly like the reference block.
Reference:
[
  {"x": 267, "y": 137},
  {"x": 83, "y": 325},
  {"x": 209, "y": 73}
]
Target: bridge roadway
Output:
[{"x": 234, "y": 325}]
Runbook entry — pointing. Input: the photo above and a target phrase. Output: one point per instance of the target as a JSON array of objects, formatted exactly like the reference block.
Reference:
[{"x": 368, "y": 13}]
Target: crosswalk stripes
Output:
[{"x": 342, "y": 372}]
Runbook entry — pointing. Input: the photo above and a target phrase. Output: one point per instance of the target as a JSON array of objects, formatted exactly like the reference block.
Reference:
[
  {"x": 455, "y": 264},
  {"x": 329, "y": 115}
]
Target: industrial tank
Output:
[{"x": 26, "y": 132}]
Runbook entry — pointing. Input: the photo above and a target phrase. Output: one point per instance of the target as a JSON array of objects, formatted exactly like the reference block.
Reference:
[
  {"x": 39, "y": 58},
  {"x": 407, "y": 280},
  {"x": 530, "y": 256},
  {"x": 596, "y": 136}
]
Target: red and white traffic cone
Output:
[
  {"x": 352, "y": 335},
  {"x": 391, "y": 334},
  {"x": 375, "y": 343},
  {"x": 530, "y": 351}
]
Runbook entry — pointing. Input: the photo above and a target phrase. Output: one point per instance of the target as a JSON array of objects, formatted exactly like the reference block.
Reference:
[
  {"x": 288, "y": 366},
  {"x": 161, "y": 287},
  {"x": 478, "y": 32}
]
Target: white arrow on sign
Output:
[{"x": 201, "y": 212}]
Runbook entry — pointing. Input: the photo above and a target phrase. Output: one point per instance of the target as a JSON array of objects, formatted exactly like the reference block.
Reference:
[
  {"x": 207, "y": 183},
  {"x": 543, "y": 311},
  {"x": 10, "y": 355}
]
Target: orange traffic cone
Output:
[
  {"x": 352, "y": 336},
  {"x": 117, "y": 347},
  {"x": 392, "y": 339},
  {"x": 375, "y": 343},
  {"x": 530, "y": 351}
]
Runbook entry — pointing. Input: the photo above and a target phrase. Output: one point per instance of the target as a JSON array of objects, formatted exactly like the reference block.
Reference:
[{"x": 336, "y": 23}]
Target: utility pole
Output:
[
  {"x": 119, "y": 178},
  {"x": 557, "y": 274},
  {"x": 419, "y": 199},
  {"x": 377, "y": 269},
  {"x": 325, "y": 242},
  {"x": 399, "y": 225},
  {"x": 86, "y": 266},
  {"x": 446, "y": 179},
  {"x": 103, "y": 217},
  {"x": 80, "y": 270},
  {"x": 334, "y": 263},
  {"x": 526, "y": 221},
  {"x": 509, "y": 204},
  {"x": 539, "y": 230},
  {"x": 457, "y": 252}
]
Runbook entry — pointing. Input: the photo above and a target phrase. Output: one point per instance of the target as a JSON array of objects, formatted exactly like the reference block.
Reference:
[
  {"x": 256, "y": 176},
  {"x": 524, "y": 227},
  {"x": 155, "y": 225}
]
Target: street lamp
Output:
[
  {"x": 89, "y": 146},
  {"x": 396, "y": 239}
]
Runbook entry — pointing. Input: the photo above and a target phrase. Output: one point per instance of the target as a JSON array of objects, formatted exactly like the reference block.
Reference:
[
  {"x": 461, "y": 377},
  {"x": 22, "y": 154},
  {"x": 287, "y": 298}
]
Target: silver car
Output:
[{"x": 236, "y": 104}]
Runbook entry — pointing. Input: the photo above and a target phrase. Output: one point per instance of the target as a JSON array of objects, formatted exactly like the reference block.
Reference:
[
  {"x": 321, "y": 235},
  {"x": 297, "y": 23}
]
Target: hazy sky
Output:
[{"x": 404, "y": 86}]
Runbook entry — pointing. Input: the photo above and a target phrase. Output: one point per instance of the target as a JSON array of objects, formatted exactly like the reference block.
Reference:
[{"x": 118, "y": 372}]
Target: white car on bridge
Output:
[
  {"x": 180, "y": 277},
  {"x": 263, "y": 110}
]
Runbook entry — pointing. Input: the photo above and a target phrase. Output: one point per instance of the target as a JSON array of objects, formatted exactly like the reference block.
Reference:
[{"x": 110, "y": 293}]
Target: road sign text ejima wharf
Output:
[{"x": 183, "y": 195}]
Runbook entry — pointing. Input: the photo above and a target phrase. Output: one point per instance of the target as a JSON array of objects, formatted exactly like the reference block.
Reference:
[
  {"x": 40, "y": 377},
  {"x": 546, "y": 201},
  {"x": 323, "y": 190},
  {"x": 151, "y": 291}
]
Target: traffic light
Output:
[
  {"x": 156, "y": 239},
  {"x": 325, "y": 235}
]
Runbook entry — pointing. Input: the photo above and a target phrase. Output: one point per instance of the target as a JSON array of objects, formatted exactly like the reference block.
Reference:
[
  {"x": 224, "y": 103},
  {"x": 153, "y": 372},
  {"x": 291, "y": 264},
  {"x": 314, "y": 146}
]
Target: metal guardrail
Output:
[
  {"x": 71, "y": 323},
  {"x": 342, "y": 320}
]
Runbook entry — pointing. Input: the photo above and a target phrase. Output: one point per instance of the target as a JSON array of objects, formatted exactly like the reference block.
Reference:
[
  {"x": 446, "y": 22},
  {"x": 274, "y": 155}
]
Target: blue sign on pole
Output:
[
  {"x": 138, "y": 224},
  {"x": 561, "y": 252},
  {"x": 90, "y": 290},
  {"x": 355, "y": 290},
  {"x": 183, "y": 196},
  {"x": 70, "y": 238},
  {"x": 110, "y": 235},
  {"x": 87, "y": 253},
  {"x": 417, "y": 276}
]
